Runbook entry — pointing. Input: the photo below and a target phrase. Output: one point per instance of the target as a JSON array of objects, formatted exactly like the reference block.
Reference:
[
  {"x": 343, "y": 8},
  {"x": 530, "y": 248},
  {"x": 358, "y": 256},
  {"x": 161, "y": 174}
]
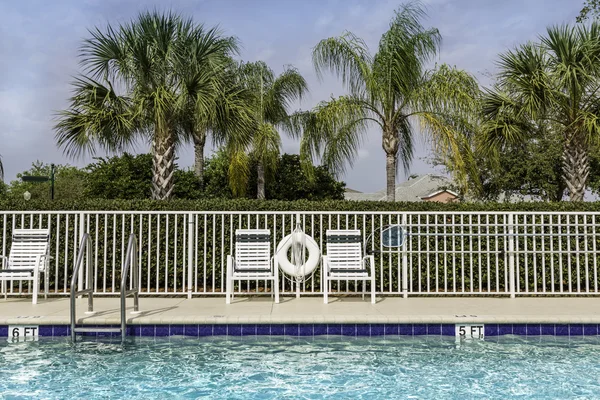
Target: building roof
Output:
[{"x": 415, "y": 189}]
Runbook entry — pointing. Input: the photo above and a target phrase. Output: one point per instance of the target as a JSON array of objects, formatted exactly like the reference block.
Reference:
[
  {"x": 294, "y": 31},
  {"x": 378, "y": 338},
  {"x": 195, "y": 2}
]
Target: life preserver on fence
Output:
[{"x": 314, "y": 254}]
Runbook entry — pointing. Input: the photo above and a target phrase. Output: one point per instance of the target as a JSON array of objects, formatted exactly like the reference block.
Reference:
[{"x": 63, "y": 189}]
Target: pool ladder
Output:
[{"x": 131, "y": 260}]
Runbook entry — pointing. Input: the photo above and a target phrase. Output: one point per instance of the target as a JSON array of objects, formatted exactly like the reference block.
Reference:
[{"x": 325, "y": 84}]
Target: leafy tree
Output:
[
  {"x": 3, "y": 190},
  {"x": 230, "y": 120},
  {"x": 389, "y": 90},
  {"x": 270, "y": 99},
  {"x": 291, "y": 182},
  {"x": 136, "y": 87},
  {"x": 128, "y": 177},
  {"x": 590, "y": 8},
  {"x": 125, "y": 177},
  {"x": 217, "y": 176},
  {"x": 69, "y": 182},
  {"x": 553, "y": 83},
  {"x": 531, "y": 168}
]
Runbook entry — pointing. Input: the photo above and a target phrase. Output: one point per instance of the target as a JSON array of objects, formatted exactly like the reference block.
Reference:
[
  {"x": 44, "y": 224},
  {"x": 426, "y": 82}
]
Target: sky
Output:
[{"x": 39, "y": 43}]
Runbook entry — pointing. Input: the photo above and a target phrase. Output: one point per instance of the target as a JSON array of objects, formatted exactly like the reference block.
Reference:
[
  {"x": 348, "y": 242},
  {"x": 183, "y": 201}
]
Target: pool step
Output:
[{"x": 94, "y": 330}]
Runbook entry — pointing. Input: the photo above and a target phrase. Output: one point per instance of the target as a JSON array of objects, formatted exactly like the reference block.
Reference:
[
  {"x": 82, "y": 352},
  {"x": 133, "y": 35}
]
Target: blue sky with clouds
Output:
[{"x": 39, "y": 41}]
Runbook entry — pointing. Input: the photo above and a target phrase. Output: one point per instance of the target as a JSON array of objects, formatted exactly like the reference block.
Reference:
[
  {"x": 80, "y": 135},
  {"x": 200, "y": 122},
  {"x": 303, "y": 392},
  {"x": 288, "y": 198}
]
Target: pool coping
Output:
[{"x": 306, "y": 310}]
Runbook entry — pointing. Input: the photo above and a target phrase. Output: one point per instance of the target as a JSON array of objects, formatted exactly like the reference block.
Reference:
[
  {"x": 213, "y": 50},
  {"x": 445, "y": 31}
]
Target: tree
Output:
[
  {"x": 125, "y": 177},
  {"x": 270, "y": 99},
  {"x": 229, "y": 121},
  {"x": 136, "y": 87},
  {"x": 291, "y": 182},
  {"x": 389, "y": 91},
  {"x": 531, "y": 168},
  {"x": 590, "y": 8},
  {"x": 555, "y": 83},
  {"x": 1, "y": 171},
  {"x": 69, "y": 182},
  {"x": 129, "y": 177}
]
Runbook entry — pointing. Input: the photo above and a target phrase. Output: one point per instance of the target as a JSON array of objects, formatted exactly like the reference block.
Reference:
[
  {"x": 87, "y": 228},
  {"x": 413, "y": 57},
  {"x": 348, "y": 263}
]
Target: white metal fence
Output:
[{"x": 446, "y": 253}]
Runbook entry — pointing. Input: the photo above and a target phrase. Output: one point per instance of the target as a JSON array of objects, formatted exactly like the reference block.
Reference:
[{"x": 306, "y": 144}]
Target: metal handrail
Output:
[
  {"x": 84, "y": 248},
  {"x": 131, "y": 257}
]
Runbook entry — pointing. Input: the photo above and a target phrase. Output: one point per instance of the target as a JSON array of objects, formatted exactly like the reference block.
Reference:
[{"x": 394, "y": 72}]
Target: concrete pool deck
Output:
[{"x": 309, "y": 310}]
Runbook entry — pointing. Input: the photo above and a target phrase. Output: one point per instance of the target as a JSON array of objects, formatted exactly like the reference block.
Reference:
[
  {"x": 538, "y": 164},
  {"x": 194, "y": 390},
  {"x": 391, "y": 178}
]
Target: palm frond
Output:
[
  {"x": 346, "y": 56},
  {"x": 97, "y": 115},
  {"x": 239, "y": 172},
  {"x": 287, "y": 87},
  {"x": 403, "y": 52},
  {"x": 333, "y": 131},
  {"x": 266, "y": 146}
]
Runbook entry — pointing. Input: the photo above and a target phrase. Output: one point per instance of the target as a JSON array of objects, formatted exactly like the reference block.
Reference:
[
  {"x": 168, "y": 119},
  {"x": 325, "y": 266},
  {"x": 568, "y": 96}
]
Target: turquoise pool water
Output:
[{"x": 314, "y": 368}]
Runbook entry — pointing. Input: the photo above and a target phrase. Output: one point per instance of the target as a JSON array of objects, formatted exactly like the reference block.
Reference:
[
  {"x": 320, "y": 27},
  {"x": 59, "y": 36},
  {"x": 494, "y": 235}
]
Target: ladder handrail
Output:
[
  {"x": 84, "y": 249},
  {"x": 131, "y": 257}
]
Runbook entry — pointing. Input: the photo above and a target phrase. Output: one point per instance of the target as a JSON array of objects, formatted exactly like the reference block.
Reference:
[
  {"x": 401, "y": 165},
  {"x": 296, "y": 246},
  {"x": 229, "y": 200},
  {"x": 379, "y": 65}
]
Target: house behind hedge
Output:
[{"x": 427, "y": 187}]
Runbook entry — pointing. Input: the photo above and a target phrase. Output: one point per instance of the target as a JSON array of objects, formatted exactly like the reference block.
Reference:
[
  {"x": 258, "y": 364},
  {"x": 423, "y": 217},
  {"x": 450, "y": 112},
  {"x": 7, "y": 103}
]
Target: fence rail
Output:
[{"x": 446, "y": 253}]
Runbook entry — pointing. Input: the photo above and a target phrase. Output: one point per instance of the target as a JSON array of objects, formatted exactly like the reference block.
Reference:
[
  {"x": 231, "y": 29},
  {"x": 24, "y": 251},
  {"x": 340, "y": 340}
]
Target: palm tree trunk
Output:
[
  {"x": 260, "y": 181},
  {"x": 390, "y": 169},
  {"x": 390, "y": 146},
  {"x": 199, "y": 142},
  {"x": 576, "y": 168},
  {"x": 163, "y": 163}
]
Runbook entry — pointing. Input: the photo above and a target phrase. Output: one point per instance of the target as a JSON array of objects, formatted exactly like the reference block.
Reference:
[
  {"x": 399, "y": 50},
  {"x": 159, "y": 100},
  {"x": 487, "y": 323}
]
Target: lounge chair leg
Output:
[
  {"x": 325, "y": 288},
  {"x": 373, "y": 300},
  {"x": 364, "y": 288},
  {"x": 276, "y": 287},
  {"x": 228, "y": 282},
  {"x": 36, "y": 285}
]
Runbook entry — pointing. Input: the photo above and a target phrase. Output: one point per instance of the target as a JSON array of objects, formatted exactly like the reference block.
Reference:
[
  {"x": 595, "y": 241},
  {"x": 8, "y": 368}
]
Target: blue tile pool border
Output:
[{"x": 361, "y": 330}]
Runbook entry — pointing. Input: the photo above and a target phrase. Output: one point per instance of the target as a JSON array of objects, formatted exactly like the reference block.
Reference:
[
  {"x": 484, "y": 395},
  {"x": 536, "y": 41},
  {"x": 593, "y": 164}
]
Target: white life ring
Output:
[{"x": 314, "y": 254}]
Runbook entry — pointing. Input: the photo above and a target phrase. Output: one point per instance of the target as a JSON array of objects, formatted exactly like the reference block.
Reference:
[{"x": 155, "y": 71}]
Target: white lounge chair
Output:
[
  {"x": 28, "y": 257},
  {"x": 345, "y": 261},
  {"x": 252, "y": 260}
]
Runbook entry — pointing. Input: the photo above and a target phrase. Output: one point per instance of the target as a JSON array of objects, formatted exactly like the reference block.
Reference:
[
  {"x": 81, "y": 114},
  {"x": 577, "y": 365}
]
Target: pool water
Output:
[{"x": 314, "y": 368}]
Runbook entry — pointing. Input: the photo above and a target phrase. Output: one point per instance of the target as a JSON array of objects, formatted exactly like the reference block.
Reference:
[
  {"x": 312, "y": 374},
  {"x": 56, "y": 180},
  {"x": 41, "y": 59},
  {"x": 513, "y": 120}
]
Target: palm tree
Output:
[
  {"x": 134, "y": 88},
  {"x": 555, "y": 82},
  {"x": 270, "y": 99},
  {"x": 1, "y": 170},
  {"x": 228, "y": 121},
  {"x": 389, "y": 91}
]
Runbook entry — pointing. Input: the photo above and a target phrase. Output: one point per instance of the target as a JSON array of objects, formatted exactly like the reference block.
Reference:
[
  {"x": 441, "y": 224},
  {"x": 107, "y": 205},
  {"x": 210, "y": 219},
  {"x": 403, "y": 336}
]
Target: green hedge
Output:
[
  {"x": 156, "y": 253},
  {"x": 274, "y": 205}
]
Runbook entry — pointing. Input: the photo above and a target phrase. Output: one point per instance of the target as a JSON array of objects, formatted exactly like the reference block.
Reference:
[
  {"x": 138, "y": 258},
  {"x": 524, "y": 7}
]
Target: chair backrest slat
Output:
[
  {"x": 26, "y": 248},
  {"x": 252, "y": 249},
  {"x": 344, "y": 249}
]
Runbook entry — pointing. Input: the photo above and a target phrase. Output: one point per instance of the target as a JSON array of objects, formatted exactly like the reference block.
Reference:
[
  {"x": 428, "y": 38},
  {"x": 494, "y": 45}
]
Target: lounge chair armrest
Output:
[
  {"x": 371, "y": 259},
  {"x": 45, "y": 260}
]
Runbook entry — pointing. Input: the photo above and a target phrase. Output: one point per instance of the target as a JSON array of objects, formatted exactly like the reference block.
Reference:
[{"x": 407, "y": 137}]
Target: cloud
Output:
[
  {"x": 323, "y": 21},
  {"x": 363, "y": 153}
]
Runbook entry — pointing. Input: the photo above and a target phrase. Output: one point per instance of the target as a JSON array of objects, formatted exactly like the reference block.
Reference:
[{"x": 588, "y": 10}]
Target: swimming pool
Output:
[{"x": 333, "y": 367}]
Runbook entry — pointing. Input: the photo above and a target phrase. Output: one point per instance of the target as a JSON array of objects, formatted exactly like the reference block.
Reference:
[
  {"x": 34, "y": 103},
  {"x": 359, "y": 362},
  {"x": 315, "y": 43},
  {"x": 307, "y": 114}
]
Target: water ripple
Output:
[{"x": 301, "y": 368}]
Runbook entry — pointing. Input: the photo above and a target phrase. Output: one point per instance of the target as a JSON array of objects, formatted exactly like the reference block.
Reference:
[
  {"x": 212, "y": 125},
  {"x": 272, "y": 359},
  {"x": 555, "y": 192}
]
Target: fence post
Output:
[
  {"x": 511, "y": 254},
  {"x": 190, "y": 254},
  {"x": 80, "y": 283},
  {"x": 405, "y": 257}
]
